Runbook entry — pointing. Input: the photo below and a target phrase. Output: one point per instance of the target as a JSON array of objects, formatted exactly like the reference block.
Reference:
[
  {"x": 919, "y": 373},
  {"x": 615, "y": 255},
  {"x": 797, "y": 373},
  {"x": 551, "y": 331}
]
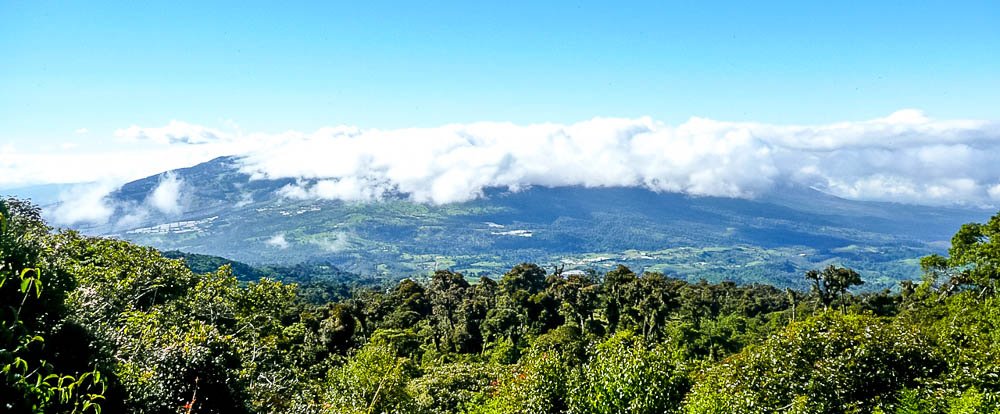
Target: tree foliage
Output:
[
  {"x": 37, "y": 375},
  {"x": 102, "y": 325}
]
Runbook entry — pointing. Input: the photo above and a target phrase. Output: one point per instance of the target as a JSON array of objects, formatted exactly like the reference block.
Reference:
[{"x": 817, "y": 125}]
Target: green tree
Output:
[
  {"x": 832, "y": 283},
  {"x": 579, "y": 298},
  {"x": 409, "y": 305},
  {"x": 448, "y": 293},
  {"x": 525, "y": 279},
  {"x": 658, "y": 299},
  {"x": 618, "y": 294},
  {"x": 31, "y": 292},
  {"x": 975, "y": 254}
]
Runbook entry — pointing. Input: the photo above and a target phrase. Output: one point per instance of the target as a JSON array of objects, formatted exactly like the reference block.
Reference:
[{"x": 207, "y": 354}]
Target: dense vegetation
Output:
[{"x": 101, "y": 325}]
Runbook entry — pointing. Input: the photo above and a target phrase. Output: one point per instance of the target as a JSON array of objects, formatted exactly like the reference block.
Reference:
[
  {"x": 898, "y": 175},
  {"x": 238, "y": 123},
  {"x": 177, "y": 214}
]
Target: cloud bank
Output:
[
  {"x": 904, "y": 157},
  {"x": 92, "y": 204}
]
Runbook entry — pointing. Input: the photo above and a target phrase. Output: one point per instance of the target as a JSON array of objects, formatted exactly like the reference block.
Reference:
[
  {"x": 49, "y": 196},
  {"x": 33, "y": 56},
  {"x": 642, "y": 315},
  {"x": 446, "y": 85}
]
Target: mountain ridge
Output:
[{"x": 770, "y": 238}]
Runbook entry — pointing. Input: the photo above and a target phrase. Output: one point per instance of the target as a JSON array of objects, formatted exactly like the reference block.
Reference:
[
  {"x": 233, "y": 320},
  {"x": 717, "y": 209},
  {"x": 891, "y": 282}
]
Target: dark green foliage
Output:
[
  {"x": 454, "y": 318},
  {"x": 832, "y": 283},
  {"x": 319, "y": 282},
  {"x": 578, "y": 296},
  {"x": 164, "y": 338},
  {"x": 975, "y": 255},
  {"x": 525, "y": 279},
  {"x": 203, "y": 263},
  {"x": 39, "y": 371}
]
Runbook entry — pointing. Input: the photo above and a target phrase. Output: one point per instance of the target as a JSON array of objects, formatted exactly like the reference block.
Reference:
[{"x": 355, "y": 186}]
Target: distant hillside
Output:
[
  {"x": 203, "y": 263},
  {"x": 318, "y": 282},
  {"x": 773, "y": 238},
  {"x": 298, "y": 273}
]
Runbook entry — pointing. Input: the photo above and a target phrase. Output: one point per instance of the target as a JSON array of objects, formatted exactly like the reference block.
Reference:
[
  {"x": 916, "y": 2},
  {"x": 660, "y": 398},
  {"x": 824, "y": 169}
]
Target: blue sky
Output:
[
  {"x": 270, "y": 67},
  {"x": 892, "y": 101}
]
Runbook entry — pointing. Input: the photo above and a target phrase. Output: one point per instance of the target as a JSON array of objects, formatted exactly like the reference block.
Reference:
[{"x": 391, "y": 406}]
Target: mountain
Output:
[
  {"x": 299, "y": 273},
  {"x": 774, "y": 238}
]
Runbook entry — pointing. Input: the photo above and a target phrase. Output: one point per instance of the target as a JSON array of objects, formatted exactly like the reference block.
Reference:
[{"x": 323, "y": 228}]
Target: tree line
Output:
[{"x": 102, "y": 325}]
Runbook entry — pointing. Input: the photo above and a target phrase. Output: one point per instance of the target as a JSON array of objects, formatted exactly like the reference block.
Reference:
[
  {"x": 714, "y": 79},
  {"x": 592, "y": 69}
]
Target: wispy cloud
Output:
[
  {"x": 92, "y": 204},
  {"x": 334, "y": 243},
  {"x": 175, "y": 132},
  {"x": 86, "y": 203},
  {"x": 166, "y": 197},
  {"x": 278, "y": 240}
]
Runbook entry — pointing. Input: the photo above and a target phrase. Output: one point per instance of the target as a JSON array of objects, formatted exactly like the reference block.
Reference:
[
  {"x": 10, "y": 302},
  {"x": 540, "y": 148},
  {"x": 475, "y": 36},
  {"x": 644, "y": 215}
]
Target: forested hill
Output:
[
  {"x": 221, "y": 211},
  {"x": 298, "y": 273},
  {"x": 107, "y": 326}
]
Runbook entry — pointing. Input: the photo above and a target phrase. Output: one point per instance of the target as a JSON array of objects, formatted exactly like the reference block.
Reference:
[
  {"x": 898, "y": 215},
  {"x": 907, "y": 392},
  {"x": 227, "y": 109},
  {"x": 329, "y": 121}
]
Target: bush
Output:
[
  {"x": 537, "y": 385},
  {"x": 372, "y": 381},
  {"x": 627, "y": 375},
  {"x": 449, "y": 388},
  {"x": 829, "y": 363}
]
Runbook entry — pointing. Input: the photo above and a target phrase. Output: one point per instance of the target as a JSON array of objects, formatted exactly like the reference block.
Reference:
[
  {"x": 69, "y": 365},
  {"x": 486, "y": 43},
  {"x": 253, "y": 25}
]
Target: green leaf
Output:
[{"x": 26, "y": 270}]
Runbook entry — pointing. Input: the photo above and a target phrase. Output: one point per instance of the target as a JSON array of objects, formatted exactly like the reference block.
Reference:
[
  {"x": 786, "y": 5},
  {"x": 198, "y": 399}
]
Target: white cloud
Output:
[
  {"x": 166, "y": 197},
  {"x": 278, "y": 241},
  {"x": 84, "y": 164},
  {"x": 904, "y": 157},
  {"x": 91, "y": 204},
  {"x": 175, "y": 132},
  {"x": 456, "y": 162},
  {"x": 84, "y": 204},
  {"x": 994, "y": 192},
  {"x": 81, "y": 131}
]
